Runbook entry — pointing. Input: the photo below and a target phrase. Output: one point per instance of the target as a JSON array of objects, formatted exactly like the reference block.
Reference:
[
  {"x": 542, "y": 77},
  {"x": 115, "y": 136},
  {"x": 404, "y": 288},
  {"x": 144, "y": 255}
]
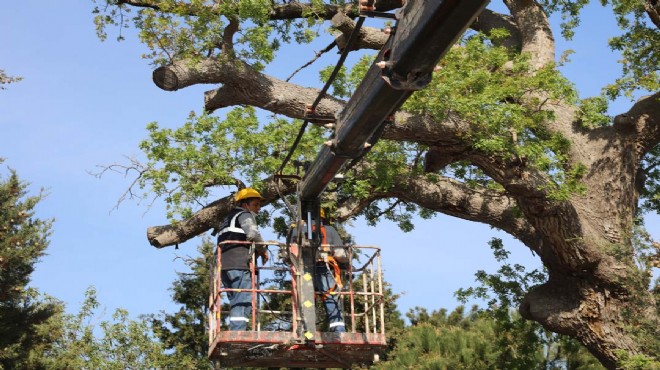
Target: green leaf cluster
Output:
[
  {"x": 207, "y": 152},
  {"x": 86, "y": 341},
  {"x": 389, "y": 162},
  {"x": 347, "y": 79},
  {"x": 194, "y": 29},
  {"x": 495, "y": 91},
  {"x": 637, "y": 362},
  {"x": 650, "y": 178},
  {"x": 593, "y": 112},
  {"x": 6, "y": 79},
  {"x": 639, "y": 42},
  {"x": 477, "y": 82},
  {"x": 505, "y": 288},
  {"x": 640, "y": 48}
]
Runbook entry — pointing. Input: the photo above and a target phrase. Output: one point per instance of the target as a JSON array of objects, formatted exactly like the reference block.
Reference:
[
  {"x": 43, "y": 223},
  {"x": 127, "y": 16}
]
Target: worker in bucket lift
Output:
[
  {"x": 240, "y": 225},
  {"x": 326, "y": 274}
]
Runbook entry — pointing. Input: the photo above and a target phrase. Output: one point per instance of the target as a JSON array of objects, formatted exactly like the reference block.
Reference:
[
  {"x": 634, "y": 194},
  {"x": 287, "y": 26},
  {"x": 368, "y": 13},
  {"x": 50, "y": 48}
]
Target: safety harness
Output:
[{"x": 330, "y": 263}]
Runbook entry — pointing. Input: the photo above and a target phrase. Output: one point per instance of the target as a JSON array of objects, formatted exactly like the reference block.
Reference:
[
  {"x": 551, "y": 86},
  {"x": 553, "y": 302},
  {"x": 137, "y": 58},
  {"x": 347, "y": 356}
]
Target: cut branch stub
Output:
[{"x": 166, "y": 79}]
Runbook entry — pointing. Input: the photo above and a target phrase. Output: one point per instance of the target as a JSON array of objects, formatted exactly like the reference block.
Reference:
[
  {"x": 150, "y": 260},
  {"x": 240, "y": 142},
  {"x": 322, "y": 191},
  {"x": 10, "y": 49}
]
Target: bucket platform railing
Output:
[{"x": 272, "y": 338}]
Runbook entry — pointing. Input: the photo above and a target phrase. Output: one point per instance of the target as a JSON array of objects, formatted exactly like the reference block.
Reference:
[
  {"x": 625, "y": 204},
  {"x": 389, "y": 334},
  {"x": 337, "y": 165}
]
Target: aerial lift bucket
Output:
[{"x": 274, "y": 338}]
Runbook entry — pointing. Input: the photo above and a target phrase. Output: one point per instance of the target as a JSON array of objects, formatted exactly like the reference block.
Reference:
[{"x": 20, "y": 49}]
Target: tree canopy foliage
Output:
[
  {"x": 475, "y": 340},
  {"x": 499, "y": 137},
  {"x": 88, "y": 340}
]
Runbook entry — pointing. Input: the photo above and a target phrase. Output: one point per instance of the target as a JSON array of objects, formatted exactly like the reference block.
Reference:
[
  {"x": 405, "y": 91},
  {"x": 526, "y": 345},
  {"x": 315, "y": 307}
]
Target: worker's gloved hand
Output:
[{"x": 264, "y": 257}]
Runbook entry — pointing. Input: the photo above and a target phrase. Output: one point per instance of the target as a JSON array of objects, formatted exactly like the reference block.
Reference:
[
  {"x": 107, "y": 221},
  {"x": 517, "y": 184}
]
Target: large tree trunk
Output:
[{"x": 595, "y": 292}]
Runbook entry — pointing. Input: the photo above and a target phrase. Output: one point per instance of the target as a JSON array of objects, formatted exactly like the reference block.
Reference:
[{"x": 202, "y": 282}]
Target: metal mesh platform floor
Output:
[{"x": 279, "y": 349}]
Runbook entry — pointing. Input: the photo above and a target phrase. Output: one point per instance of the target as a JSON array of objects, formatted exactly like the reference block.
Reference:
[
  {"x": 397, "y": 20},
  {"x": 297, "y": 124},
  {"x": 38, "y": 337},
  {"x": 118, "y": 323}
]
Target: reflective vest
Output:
[{"x": 234, "y": 256}]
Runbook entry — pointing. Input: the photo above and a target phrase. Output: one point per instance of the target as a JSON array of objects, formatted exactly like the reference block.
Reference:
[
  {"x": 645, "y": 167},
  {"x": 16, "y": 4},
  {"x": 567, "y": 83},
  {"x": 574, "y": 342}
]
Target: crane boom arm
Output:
[{"x": 425, "y": 31}]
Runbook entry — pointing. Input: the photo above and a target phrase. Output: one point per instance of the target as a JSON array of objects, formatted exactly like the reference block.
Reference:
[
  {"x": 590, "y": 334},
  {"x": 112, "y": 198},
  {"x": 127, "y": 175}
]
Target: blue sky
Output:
[{"x": 85, "y": 103}]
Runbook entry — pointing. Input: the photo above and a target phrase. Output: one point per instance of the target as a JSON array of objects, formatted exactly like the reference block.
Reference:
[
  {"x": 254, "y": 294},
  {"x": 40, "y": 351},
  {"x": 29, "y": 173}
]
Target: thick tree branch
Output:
[
  {"x": 373, "y": 38},
  {"x": 453, "y": 198},
  {"x": 269, "y": 93},
  {"x": 291, "y": 10},
  {"x": 652, "y": 8},
  {"x": 489, "y": 20},
  {"x": 520, "y": 180},
  {"x": 537, "y": 39},
  {"x": 295, "y": 10},
  {"x": 228, "y": 36},
  {"x": 562, "y": 239},
  {"x": 447, "y": 145},
  {"x": 242, "y": 85},
  {"x": 643, "y": 121},
  {"x": 369, "y": 37},
  {"x": 574, "y": 306},
  {"x": 209, "y": 216},
  {"x": 562, "y": 247}
]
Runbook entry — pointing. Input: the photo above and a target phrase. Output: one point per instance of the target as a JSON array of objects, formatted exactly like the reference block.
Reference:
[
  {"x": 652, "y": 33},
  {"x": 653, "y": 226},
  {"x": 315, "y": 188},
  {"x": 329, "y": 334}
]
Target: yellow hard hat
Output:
[
  {"x": 322, "y": 213},
  {"x": 247, "y": 193}
]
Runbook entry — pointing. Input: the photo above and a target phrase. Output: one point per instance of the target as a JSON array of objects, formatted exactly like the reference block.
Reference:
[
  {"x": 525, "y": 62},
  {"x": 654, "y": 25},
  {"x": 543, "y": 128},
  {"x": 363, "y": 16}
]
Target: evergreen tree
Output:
[
  {"x": 445, "y": 341},
  {"x": 24, "y": 315},
  {"x": 480, "y": 340},
  {"x": 185, "y": 332}
]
